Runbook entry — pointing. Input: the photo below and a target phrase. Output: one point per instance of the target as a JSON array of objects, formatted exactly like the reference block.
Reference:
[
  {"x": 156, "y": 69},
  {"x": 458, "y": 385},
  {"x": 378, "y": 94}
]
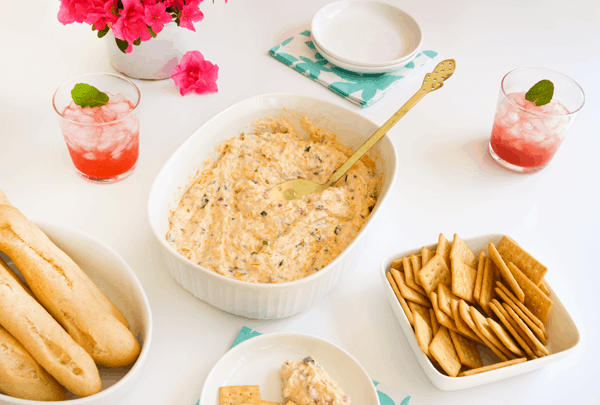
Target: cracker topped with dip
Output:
[{"x": 226, "y": 223}]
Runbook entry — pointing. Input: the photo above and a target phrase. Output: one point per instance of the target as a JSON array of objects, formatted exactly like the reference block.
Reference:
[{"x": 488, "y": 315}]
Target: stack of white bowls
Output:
[{"x": 366, "y": 36}]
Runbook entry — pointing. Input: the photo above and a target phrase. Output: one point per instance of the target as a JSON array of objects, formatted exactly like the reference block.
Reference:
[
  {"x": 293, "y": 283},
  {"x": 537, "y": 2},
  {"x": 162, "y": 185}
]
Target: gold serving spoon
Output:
[{"x": 298, "y": 188}]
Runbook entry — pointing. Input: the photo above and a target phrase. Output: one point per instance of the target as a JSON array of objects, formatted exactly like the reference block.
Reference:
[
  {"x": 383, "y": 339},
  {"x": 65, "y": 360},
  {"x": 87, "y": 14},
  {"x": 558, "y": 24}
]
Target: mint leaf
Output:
[
  {"x": 541, "y": 93},
  {"x": 85, "y": 95}
]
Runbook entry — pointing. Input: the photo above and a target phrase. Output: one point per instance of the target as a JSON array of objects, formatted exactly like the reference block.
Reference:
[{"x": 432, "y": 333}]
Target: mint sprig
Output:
[
  {"x": 541, "y": 93},
  {"x": 85, "y": 95}
]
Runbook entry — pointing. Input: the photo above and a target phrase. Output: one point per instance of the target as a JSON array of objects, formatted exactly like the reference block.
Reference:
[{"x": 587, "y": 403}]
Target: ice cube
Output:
[{"x": 89, "y": 156}]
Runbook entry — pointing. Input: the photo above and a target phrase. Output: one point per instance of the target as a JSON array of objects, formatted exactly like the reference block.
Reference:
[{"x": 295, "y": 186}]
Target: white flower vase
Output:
[{"x": 151, "y": 60}]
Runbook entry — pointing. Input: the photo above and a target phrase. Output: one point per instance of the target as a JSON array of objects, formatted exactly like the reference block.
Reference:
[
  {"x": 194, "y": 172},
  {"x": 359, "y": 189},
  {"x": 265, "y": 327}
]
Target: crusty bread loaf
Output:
[
  {"x": 58, "y": 284},
  {"x": 99, "y": 295},
  {"x": 44, "y": 339},
  {"x": 21, "y": 376}
]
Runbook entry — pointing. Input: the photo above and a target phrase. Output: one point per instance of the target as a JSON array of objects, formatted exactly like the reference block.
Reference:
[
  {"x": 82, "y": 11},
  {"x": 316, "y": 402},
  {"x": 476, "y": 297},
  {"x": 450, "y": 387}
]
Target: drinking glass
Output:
[
  {"x": 103, "y": 141},
  {"x": 525, "y": 137}
]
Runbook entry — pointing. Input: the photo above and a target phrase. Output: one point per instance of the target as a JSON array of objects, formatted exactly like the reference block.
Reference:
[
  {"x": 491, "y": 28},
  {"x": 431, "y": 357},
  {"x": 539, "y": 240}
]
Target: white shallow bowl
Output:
[
  {"x": 254, "y": 300},
  {"x": 119, "y": 283},
  {"x": 258, "y": 361},
  {"x": 563, "y": 335},
  {"x": 365, "y": 69},
  {"x": 366, "y": 33}
]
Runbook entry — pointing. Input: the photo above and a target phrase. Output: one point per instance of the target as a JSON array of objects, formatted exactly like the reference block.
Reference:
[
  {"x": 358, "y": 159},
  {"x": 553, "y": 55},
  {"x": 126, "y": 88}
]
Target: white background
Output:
[{"x": 446, "y": 181}]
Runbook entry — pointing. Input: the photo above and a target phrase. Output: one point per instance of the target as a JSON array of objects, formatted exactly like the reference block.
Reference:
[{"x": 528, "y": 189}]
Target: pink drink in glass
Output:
[
  {"x": 103, "y": 141},
  {"x": 527, "y": 135}
]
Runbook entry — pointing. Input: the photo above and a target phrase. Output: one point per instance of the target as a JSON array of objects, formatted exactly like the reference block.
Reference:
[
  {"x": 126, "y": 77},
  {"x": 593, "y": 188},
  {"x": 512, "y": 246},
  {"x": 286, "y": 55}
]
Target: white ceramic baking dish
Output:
[
  {"x": 261, "y": 301},
  {"x": 563, "y": 335}
]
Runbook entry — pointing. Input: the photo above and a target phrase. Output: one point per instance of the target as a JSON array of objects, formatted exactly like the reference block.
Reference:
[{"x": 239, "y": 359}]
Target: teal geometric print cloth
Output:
[
  {"x": 364, "y": 89},
  {"x": 387, "y": 396}
]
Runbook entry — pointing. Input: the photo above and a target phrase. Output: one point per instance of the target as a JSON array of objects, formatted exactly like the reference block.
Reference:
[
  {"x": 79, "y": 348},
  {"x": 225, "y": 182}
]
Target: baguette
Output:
[
  {"x": 58, "y": 284},
  {"x": 99, "y": 295},
  {"x": 21, "y": 376},
  {"x": 44, "y": 339}
]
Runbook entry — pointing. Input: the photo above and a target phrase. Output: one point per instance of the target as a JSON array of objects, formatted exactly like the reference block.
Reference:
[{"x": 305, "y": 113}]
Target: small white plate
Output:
[
  {"x": 366, "y": 33},
  {"x": 563, "y": 335},
  {"x": 258, "y": 360},
  {"x": 365, "y": 69}
]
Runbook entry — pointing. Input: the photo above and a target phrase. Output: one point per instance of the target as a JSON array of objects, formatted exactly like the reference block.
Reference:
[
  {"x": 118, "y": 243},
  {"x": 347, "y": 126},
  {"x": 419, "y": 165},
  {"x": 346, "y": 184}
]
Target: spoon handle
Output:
[
  {"x": 431, "y": 82},
  {"x": 339, "y": 173}
]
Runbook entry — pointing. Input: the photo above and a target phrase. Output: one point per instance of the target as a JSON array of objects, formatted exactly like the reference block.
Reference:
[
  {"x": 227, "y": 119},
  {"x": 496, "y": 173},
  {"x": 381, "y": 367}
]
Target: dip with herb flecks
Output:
[{"x": 226, "y": 223}]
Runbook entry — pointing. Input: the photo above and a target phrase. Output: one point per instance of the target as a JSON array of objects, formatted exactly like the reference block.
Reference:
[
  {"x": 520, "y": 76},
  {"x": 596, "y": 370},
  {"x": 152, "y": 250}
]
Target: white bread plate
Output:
[
  {"x": 254, "y": 300},
  {"x": 563, "y": 335},
  {"x": 118, "y": 282},
  {"x": 258, "y": 361}
]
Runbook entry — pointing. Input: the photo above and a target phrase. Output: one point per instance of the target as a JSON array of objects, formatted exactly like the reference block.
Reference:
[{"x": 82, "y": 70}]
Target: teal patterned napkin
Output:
[
  {"x": 364, "y": 89},
  {"x": 387, "y": 396}
]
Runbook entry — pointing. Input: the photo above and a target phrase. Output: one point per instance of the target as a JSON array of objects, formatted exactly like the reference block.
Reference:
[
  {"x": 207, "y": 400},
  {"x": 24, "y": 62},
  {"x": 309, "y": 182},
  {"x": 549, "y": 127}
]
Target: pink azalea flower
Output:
[
  {"x": 100, "y": 14},
  {"x": 155, "y": 16},
  {"x": 130, "y": 25},
  {"x": 191, "y": 14},
  {"x": 194, "y": 74},
  {"x": 88, "y": 11}
]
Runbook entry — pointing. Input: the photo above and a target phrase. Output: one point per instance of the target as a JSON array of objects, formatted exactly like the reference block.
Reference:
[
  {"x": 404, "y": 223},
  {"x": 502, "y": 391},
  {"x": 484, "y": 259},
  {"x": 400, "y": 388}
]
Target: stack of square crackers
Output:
[{"x": 456, "y": 300}]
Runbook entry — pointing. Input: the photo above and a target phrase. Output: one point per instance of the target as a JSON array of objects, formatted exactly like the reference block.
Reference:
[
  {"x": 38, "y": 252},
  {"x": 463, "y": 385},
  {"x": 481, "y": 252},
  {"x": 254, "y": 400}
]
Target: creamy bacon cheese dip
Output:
[
  {"x": 307, "y": 383},
  {"x": 225, "y": 223}
]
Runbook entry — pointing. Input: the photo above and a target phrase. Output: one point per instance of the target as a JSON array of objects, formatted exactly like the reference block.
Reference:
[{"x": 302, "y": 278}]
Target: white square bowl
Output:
[
  {"x": 256, "y": 300},
  {"x": 563, "y": 335}
]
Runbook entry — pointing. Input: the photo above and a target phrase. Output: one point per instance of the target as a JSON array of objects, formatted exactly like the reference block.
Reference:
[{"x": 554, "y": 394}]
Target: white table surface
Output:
[{"x": 446, "y": 181}]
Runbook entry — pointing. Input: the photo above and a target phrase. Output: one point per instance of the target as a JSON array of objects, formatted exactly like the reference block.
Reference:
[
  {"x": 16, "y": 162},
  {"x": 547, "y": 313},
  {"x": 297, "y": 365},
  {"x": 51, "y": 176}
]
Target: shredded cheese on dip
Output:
[
  {"x": 225, "y": 222},
  {"x": 307, "y": 383}
]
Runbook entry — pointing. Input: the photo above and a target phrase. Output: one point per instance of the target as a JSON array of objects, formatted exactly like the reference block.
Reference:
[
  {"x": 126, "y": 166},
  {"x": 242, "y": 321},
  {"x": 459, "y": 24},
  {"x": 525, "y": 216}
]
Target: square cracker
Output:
[
  {"x": 443, "y": 249},
  {"x": 417, "y": 263},
  {"x": 507, "y": 276},
  {"x": 511, "y": 327},
  {"x": 511, "y": 251},
  {"x": 466, "y": 350},
  {"x": 408, "y": 293},
  {"x": 445, "y": 298},
  {"x": 239, "y": 394},
  {"x": 426, "y": 255},
  {"x": 460, "y": 251},
  {"x": 435, "y": 325},
  {"x": 535, "y": 300},
  {"x": 423, "y": 333},
  {"x": 434, "y": 272},
  {"x": 401, "y": 299},
  {"x": 442, "y": 318},
  {"x": 490, "y": 276},
  {"x": 492, "y": 367},
  {"x": 463, "y": 279},
  {"x": 398, "y": 264},
  {"x": 478, "y": 280},
  {"x": 409, "y": 276},
  {"x": 421, "y": 310},
  {"x": 543, "y": 285},
  {"x": 442, "y": 349}
]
